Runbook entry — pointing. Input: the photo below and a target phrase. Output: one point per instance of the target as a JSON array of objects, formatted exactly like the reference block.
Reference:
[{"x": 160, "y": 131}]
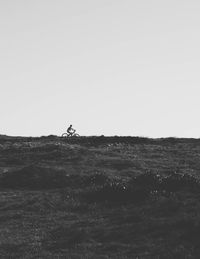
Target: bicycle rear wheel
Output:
[{"x": 64, "y": 135}]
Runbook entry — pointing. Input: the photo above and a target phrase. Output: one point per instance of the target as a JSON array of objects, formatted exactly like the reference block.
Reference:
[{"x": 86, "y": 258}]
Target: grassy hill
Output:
[{"x": 99, "y": 197}]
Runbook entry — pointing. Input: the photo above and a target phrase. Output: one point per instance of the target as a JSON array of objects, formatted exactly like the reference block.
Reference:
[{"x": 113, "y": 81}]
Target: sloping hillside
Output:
[{"x": 99, "y": 197}]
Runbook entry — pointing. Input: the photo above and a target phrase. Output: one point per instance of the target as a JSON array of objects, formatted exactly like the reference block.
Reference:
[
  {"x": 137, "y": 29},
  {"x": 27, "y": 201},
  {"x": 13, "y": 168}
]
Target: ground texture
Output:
[{"x": 99, "y": 197}]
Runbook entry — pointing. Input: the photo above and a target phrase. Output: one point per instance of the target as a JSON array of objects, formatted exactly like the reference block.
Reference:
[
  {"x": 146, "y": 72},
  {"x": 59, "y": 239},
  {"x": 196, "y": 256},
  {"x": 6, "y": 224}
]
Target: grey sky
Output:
[{"x": 108, "y": 67}]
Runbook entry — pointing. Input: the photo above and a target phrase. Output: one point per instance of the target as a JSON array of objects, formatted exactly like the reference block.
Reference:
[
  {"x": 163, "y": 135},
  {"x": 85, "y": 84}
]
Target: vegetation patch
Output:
[
  {"x": 33, "y": 177},
  {"x": 99, "y": 197},
  {"x": 141, "y": 187},
  {"x": 64, "y": 237}
]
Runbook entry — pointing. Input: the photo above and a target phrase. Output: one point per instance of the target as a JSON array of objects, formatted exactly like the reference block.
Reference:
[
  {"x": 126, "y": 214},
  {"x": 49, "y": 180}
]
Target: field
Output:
[{"x": 99, "y": 197}]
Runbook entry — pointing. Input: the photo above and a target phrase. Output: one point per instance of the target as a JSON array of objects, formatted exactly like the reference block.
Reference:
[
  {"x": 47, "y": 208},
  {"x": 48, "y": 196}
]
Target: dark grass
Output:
[
  {"x": 142, "y": 187},
  {"x": 83, "y": 198}
]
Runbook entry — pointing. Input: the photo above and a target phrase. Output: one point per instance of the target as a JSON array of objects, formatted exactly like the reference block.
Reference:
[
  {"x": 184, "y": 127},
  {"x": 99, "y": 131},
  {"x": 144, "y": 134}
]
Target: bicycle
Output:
[{"x": 69, "y": 135}]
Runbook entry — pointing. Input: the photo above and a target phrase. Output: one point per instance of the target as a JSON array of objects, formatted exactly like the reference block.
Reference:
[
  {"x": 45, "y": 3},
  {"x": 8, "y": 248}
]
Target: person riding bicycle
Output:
[{"x": 70, "y": 131}]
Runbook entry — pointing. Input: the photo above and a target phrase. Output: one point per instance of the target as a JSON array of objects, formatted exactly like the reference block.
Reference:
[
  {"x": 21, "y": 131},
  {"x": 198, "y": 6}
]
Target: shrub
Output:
[
  {"x": 97, "y": 179},
  {"x": 65, "y": 237},
  {"x": 33, "y": 177},
  {"x": 139, "y": 188},
  {"x": 180, "y": 182},
  {"x": 147, "y": 181},
  {"x": 115, "y": 192}
]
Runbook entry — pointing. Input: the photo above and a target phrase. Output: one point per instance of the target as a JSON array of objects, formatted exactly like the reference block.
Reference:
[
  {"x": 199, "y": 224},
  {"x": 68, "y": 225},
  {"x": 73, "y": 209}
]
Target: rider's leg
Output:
[{"x": 68, "y": 133}]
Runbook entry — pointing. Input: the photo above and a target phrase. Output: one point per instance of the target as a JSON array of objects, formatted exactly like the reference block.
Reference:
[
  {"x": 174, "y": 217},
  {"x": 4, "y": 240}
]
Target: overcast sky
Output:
[{"x": 112, "y": 67}]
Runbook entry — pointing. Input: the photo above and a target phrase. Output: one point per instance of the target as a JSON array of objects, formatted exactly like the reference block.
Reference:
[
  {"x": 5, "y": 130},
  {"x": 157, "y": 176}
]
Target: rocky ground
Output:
[{"x": 99, "y": 197}]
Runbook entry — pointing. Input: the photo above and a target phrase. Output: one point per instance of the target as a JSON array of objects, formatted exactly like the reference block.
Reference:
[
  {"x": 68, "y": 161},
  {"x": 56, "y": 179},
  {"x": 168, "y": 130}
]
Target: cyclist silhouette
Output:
[{"x": 71, "y": 131}]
